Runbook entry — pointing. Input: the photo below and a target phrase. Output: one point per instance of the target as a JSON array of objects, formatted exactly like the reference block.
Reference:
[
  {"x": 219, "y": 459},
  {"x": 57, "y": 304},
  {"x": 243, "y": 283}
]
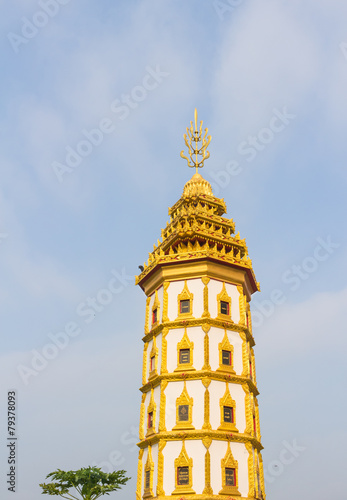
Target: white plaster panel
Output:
[
  {"x": 160, "y": 298},
  {"x": 156, "y": 394},
  {"x": 144, "y": 426},
  {"x": 217, "y": 391},
  {"x": 151, "y": 302},
  {"x": 196, "y": 287},
  {"x": 154, "y": 453},
  {"x": 148, "y": 356},
  {"x": 144, "y": 460},
  {"x": 175, "y": 288},
  {"x": 155, "y": 472},
  {"x": 218, "y": 450},
  {"x": 158, "y": 340},
  {"x": 195, "y": 335},
  {"x": 214, "y": 289},
  {"x": 236, "y": 341},
  {"x": 241, "y": 454},
  {"x": 147, "y": 400},
  {"x": 216, "y": 336},
  {"x": 196, "y": 451},
  {"x": 157, "y": 402},
  {"x": 149, "y": 319},
  {"x": 196, "y": 390},
  {"x": 173, "y": 337},
  {"x": 172, "y": 392},
  {"x": 170, "y": 452},
  {"x": 235, "y": 301}
]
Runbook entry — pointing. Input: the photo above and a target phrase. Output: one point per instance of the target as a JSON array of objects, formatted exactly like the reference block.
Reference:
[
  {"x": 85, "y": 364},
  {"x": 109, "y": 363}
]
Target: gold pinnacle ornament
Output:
[{"x": 195, "y": 136}]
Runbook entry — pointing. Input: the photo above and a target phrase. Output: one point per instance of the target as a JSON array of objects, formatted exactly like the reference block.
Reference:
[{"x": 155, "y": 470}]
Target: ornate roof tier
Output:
[{"x": 197, "y": 228}]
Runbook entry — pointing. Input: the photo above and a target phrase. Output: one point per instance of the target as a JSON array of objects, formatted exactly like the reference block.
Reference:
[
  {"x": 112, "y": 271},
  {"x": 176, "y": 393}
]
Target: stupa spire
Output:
[
  {"x": 197, "y": 152},
  {"x": 199, "y": 417}
]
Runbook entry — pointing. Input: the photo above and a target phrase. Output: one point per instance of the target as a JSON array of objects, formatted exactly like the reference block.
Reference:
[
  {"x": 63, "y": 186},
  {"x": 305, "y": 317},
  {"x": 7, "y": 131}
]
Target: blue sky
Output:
[{"x": 269, "y": 81}]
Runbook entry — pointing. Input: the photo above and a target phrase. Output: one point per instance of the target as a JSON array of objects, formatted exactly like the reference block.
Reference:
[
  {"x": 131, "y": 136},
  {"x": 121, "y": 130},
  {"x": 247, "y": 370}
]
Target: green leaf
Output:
[{"x": 90, "y": 483}]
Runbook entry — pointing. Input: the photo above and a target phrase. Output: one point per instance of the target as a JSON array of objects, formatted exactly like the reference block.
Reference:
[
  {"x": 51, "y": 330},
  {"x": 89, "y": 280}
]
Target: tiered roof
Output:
[{"x": 197, "y": 229}]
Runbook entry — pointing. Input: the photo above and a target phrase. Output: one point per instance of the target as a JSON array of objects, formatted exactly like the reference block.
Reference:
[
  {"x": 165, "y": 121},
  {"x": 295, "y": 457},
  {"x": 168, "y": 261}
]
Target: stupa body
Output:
[{"x": 199, "y": 420}]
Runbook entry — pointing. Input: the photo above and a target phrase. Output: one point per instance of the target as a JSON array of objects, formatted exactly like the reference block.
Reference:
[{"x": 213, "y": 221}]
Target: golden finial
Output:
[{"x": 195, "y": 136}]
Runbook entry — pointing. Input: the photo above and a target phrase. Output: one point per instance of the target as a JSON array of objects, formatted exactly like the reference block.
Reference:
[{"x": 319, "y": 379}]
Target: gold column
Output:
[
  {"x": 163, "y": 386},
  {"x": 207, "y": 424},
  {"x": 249, "y": 321},
  {"x": 206, "y": 329},
  {"x": 160, "y": 481},
  {"x": 253, "y": 366},
  {"x": 248, "y": 410},
  {"x": 208, "y": 489},
  {"x": 142, "y": 418},
  {"x": 163, "y": 368},
  {"x": 205, "y": 281},
  {"x": 165, "y": 301},
  {"x": 245, "y": 356},
  {"x": 242, "y": 306},
  {"x": 261, "y": 472},
  {"x": 251, "y": 490},
  {"x": 139, "y": 476},
  {"x": 147, "y": 315},
  {"x": 257, "y": 422},
  {"x": 144, "y": 366}
]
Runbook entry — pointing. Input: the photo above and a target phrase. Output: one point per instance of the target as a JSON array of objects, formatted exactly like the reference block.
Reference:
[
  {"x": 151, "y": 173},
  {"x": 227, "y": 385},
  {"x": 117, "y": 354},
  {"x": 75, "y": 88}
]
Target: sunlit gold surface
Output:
[{"x": 197, "y": 153}]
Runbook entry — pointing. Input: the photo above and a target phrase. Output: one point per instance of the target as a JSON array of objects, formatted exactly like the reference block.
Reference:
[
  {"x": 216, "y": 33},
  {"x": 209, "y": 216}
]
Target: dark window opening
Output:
[
  {"x": 183, "y": 413},
  {"x": 228, "y": 414},
  {"x": 150, "y": 420},
  {"x": 154, "y": 316},
  {"x": 184, "y": 356},
  {"x": 184, "y": 306},
  {"x": 182, "y": 475},
  {"x": 148, "y": 479},
  {"x": 230, "y": 477},
  {"x": 226, "y": 358},
  {"x": 224, "y": 307}
]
